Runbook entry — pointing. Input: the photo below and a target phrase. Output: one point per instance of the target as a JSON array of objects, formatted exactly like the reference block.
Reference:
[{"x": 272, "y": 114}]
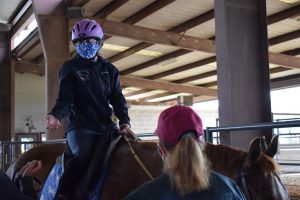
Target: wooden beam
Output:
[
  {"x": 157, "y": 96},
  {"x": 155, "y": 36},
  {"x": 109, "y": 8},
  {"x": 138, "y": 102},
  {"x": 284, "y": 60},
  {"x": 27, "y": 50},
  {"x": 182, "y": 41},
  {"x": 283, "y": 15},
  {"x": 278, "y": 69},
  {"x": 154, "y": 61},
  {"x": 196, "y": 77},
  {"x": 148, "y": 10},
  {"x": 292, "y": 52},
  {"x": 51, "y": 15},
  {"x": 200, "y": 19},
  {"x": 183, "y": 68},
  {"x": 130, "y": 51},
  {"x": 284, "y": 38},
  {"x": 177, "y": 29},
  {"x": 206, "y": 85},
  {"x": 172, "y": 87},
  {"x": 79, "y": 3},
  {"x": 31, "y": 68},
  {"x": 285, "y": 82},
  {"x": 136, "y": 92},
  {"x": 37, "y": 60},
  {"x": 157, "y": 5}
]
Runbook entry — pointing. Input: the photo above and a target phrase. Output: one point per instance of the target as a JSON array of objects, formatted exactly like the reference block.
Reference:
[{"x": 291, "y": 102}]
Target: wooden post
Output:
[
  {"x": 243, "y": 68},
  {"x": 7, "y": 89},
  {"x": 53, "y": 31}
]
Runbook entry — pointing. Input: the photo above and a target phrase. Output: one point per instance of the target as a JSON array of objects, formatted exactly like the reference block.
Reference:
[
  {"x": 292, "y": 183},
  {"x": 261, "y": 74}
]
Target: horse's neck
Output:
[{"x": 225, "y": 160}]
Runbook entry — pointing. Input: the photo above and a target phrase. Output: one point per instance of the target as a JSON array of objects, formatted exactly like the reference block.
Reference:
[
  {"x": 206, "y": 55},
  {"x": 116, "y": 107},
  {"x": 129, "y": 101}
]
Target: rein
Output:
[
  {"x": 138, "y": 159},
  {"x": 242, "y": 182}
]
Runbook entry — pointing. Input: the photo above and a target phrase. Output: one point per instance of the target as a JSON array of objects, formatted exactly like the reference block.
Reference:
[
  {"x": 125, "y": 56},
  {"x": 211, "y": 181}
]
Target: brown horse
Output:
[{"x": 255, "y": 172}]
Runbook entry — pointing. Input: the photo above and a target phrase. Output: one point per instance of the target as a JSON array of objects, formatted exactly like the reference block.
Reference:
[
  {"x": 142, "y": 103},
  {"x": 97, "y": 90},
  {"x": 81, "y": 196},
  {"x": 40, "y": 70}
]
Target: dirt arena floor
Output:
[{"x": 292, "y": 182}]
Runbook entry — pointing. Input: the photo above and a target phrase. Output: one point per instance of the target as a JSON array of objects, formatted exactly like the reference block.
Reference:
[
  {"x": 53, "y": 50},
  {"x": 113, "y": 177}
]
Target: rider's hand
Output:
[
  {"x": 31, "y": 168},
  {"x": 52, "y": 122},
  {"x": 124, "y": 129}
]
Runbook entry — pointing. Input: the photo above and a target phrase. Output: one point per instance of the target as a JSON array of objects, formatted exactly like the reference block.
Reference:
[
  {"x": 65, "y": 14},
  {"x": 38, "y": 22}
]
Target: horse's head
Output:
[{"x": 258, "y": 178}]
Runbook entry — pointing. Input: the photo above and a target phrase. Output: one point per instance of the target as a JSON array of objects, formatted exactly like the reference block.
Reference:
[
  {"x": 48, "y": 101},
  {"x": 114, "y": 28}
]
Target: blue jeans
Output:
[{"x": 82, "y": 142}]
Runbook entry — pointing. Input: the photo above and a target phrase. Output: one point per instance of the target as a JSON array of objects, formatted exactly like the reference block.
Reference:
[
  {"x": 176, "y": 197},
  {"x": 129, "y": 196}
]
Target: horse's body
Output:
[{"x": 256, "y": 169}]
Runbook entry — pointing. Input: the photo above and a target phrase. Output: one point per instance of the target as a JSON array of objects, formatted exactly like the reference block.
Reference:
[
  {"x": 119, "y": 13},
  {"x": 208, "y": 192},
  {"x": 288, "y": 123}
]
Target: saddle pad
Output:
[{"x": 51, "y": 183}]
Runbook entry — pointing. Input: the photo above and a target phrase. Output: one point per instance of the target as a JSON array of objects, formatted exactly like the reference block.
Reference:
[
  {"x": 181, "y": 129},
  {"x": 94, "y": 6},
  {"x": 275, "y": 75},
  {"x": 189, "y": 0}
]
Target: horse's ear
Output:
[
  {"x": 254, "y": 151},
  {"x": 263, "y": 143},
  {"x": 273, "y": 147}
]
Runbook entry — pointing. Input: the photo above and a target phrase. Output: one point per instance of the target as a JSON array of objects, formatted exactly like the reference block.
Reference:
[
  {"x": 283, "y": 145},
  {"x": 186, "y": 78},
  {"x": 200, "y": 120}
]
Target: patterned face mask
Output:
[{"x": 87, "y": 50}]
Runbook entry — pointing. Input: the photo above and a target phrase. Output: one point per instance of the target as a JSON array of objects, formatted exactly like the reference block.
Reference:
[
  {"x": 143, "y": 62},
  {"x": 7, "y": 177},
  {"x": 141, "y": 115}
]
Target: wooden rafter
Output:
[
  {"x": 79, "y": 3},
  {"x": 148, "y": 10},
  {"x": 182, "y": 41},
  {"x": 183, "y": 68},
  {"x": 284, "y": 38},
  {"x": 283, "y": 15},
  {"x": 172, "y": 87},
  {"x": 157, "y": 96},
  {"x": 109, "y": 8},
  {"x": 38, "y": 59},
  {"x": 145, "y": 12},
  {"x": 177, "y": 29},
  {"x": 135, "y": 92},
  {"x": 196, "y": 77},
  {"x": 205, "y": 85},
  {"x": 155, "y": 61},
  {"x": 30, "y": 68}
]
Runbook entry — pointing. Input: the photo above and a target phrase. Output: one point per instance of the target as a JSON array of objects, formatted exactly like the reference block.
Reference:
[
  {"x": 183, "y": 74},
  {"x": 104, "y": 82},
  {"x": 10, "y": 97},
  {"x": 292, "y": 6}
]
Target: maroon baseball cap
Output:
[{"x": 176, "y": 120}]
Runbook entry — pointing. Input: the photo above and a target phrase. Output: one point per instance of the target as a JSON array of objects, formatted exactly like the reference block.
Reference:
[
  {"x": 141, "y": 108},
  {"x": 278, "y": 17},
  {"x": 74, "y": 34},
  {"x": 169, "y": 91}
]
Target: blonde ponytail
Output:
[{"x": 187, "y": 166}]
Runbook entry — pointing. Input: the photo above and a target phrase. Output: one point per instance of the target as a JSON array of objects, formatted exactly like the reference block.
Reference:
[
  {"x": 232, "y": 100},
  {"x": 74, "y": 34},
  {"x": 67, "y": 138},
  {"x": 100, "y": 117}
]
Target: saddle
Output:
[{"x": 100, "y": 158}]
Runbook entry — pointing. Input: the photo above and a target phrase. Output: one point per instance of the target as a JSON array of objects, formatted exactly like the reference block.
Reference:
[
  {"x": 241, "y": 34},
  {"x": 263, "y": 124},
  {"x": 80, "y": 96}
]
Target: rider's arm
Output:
[{"x": 64, "y": 101}]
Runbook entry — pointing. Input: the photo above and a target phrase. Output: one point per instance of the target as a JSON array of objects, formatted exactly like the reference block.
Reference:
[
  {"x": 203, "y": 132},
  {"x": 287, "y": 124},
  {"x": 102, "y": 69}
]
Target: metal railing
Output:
[
  {"x": 9, "y": 151},
  {"x": 209, "y": 130}
]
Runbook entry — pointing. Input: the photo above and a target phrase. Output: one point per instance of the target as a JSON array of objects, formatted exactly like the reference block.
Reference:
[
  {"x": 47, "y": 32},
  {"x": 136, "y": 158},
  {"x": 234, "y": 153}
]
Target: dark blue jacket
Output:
[
  {"x": 86, "y": 91},
  {"x": 221, "y": 188},
  {"x": 9, "y": 191}
]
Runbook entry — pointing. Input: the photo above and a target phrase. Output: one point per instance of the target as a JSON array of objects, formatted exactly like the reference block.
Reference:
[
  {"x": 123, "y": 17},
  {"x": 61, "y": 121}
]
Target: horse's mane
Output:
[
  {"x": 225, "y": 159},
  {"x": 228, "y": 160}
]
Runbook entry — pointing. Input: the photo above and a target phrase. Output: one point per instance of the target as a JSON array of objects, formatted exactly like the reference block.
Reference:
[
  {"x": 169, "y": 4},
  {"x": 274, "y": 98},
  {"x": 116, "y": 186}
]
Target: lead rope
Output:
[{"x": 137, "y": 158}]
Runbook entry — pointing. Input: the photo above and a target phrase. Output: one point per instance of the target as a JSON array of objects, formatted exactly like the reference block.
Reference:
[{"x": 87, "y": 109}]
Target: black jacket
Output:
[
  {"x": 10, "y": 191},
  {"x": 86, "y": 91}
]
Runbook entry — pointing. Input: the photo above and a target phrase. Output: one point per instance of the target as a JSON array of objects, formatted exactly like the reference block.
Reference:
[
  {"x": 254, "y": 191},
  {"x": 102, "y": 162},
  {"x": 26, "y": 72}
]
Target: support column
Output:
[
  {"x": 243, "y": 68},
  {"x": 53, "y": 31},
  {"x": 7, "y": 89}
]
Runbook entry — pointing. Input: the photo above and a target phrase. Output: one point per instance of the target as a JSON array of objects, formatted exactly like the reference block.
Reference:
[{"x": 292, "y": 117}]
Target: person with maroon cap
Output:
[
  {"x": 187, "y": 173},
  {"x": 89, "y": 93}
]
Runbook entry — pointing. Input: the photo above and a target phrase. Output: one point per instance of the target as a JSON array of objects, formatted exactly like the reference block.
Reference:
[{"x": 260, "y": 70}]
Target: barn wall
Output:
[{"x": 29, "y": 101}]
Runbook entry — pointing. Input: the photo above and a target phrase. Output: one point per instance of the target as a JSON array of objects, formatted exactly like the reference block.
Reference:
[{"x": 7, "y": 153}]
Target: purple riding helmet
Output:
[{"x": 86, "y": 28}]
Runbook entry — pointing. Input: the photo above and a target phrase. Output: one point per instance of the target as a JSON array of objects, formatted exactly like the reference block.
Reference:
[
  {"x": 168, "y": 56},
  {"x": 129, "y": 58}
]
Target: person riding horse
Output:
[{"x": 88, "y": 86}]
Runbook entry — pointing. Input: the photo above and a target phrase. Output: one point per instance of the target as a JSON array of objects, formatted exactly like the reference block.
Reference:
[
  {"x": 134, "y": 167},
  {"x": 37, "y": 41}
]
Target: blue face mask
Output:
[{"x": 87, "y": 50}]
